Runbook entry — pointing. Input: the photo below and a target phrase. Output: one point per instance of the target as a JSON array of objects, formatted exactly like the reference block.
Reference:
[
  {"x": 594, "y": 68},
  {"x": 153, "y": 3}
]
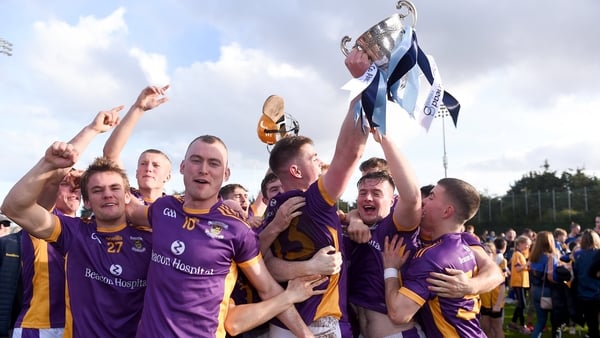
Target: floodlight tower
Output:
[
  {"x": 443, "y": 112},
  {"x": 5, "y": 47}
]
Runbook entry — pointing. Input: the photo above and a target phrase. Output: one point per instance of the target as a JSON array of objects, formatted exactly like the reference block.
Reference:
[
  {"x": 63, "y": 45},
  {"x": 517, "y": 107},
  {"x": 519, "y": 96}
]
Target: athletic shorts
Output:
[
  {"x": 20, "y": 332},
  {"x": 486, "y": 311}
]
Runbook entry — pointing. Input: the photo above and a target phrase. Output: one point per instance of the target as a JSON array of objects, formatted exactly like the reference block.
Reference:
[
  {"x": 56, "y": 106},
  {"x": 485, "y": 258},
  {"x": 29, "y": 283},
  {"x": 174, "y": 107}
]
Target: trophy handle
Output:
[
  {"x": 343, "y": 43},
  {"x": 411, "y": 9}
]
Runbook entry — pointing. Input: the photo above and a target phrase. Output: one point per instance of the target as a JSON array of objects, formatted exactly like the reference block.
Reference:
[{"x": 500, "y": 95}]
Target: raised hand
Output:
[
  {"x": 357, "y": 62},
  {"x": 73, "y": 178},
  {"x": 326, "y": 261},
  {"x": 376, "y": 135},
  {"x": 61, "y": 155},
  {"x": 151, "y": 97},
  {"x": 105, "y": 120}
]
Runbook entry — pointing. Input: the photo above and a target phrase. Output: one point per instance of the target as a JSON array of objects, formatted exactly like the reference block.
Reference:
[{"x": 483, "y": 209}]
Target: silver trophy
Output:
[{"x": 379, "y": 41}]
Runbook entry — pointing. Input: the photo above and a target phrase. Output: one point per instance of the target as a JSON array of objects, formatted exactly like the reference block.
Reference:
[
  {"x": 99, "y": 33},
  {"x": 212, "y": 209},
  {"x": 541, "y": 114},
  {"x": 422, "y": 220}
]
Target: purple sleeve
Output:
[
  {"x": 247, "y": 247},
  {"x": 414, "y": 278},
  {"x": 66, "y": 235}
]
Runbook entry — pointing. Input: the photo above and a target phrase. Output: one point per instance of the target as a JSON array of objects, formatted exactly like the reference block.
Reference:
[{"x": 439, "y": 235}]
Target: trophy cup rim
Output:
[{"x": 397, "y": 17}]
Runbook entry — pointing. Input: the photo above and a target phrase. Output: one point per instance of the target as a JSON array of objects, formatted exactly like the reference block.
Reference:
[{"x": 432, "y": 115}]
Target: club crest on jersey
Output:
[
  {"x": 215, "y": 229},
  {"x": 272, "y": 202},
  {"x": 138, "y": 244}
]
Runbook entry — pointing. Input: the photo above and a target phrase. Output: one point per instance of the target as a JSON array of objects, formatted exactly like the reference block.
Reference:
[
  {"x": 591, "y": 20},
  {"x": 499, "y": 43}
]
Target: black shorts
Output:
[{"x": 486, "y": 311}]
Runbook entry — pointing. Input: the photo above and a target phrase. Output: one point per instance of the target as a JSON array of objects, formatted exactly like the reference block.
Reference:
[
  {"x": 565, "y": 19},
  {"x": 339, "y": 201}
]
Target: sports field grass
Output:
[{"x": 508, "y": 312}]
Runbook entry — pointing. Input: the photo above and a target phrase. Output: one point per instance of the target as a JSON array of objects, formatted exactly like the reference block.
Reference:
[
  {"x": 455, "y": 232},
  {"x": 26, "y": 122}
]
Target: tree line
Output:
[{"x": 539, "y": 200}]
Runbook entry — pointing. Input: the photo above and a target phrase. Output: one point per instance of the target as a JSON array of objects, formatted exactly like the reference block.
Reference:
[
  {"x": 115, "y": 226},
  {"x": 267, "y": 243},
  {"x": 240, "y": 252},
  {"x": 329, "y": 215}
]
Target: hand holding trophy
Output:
[
  {"x": 398, "y": 66},
  {"x": 380, "y": 40}
]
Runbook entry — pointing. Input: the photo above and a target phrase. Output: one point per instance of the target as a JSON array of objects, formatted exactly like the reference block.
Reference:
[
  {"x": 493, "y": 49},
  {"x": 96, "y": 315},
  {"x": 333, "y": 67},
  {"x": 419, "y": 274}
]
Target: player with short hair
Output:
[
  {"x": 199, "y": 244},
  {"x": 106, "y": 258}
]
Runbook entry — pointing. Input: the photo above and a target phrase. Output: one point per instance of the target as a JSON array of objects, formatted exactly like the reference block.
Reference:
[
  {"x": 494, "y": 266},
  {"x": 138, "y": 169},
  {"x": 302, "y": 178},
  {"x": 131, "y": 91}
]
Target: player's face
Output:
[
  {"x": 68, "y": 198},
  {"x": 434, "y": 208},
  {"x": 309, "y": 163},
  {"x": 375, "y": 198},
  {"x": 153, "y": 171},
  {"x": 107, "y": 197},
  {"x": 204, "y": 169},
  {"x": 241, "y": 196},
  {"x": 273, "y": 188}
]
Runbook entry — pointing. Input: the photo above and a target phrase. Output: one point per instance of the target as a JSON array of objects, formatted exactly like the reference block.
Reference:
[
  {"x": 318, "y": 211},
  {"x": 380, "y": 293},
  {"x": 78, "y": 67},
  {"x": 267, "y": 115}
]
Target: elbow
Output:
[
  {"x": 499, "y": 278},
  {"x": 398, "y": 318},
  {"x": 233, "y": 328},
  {"x": 7, "y": 210}
]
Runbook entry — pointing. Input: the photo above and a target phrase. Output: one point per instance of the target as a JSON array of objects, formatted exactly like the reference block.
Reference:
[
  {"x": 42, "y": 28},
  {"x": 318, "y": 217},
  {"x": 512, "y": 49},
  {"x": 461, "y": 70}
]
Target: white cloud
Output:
[
  {"x": 153, "y": 65},
  {"x": 524, "y": 74}
]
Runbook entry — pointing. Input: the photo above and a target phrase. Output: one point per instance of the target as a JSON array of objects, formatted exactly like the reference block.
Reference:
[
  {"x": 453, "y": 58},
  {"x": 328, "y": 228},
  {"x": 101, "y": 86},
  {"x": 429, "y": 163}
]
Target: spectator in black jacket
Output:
[{"x": 11, "y": 291}]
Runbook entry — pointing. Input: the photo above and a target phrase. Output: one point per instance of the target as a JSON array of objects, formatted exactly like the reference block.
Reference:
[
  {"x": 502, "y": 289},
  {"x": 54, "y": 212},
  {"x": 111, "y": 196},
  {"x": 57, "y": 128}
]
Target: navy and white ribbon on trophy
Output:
[{"x": 400, "y": 83}]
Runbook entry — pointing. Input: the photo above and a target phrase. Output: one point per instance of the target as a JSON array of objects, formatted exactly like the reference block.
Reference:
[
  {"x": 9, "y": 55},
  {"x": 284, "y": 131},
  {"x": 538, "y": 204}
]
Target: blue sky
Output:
[{"x": 525, "y": 73}]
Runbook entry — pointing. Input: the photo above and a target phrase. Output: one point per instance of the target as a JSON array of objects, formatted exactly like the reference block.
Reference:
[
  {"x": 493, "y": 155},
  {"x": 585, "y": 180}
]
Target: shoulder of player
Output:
[
  {"x": 77, "y": 222},
  {"x": 139, "y": 228},
  {"x": 168, "y": 199}
]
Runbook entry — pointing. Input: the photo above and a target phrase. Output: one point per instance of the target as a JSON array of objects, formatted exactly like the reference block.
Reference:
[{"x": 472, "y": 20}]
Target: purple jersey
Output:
[
  {"x": 443, "y": 317},
  {"x": 467, "y": 238},
  {"x": 318, "y": 226},
  {"x": 366, "y": 287},
  {"x": 106, "y": 275},
  {"x": 138, "y": 194},
  {"x": 470, "y": 239},
  {"x": 43, "y": 273},
  {"x": 194, "y": 267}
]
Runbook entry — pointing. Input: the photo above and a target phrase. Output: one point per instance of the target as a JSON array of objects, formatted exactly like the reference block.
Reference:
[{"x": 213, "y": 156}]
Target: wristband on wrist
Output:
[{"x": 390, "y": 273}]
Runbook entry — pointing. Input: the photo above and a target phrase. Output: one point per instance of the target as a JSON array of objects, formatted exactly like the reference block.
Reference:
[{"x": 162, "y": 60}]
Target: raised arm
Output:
[
  {"x": 351, "y": 139},
  {"x": 28, "y": 202},
  {"x": 407, "y": 212},
  {"x": 150, "y": 98},
  {"x": 21, "y": 202},
  {"x": 103, "y": 121}
]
